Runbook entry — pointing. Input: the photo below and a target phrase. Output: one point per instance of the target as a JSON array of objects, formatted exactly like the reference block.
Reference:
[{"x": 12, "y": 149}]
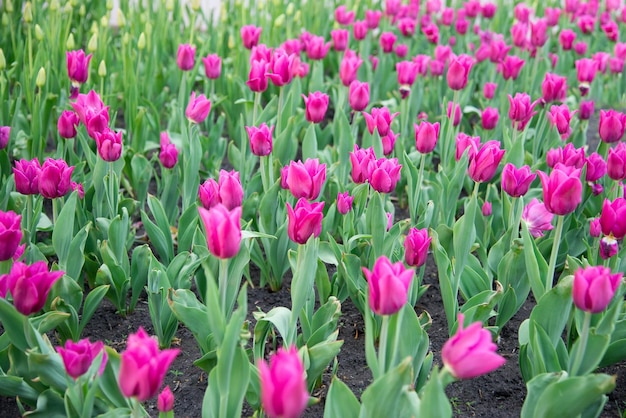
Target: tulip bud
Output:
[
  {"x": 70, "y": 43},
  {"x": 165, "y": 401},
  {"x": 279, "y": 20},
  {"x": 223, "y": 230},
  {"x": 28, "y": 12},
  {"x": 92, "y": 45},
  {"x": 39, "y": 35},
  {"x": 102, "y": 69},
  {"x": 82, "y": 10},
  {"x": 594, "y": 287},
  {"x": 195, "y": 5},
  {"x": 344, "y": 202},
  {"x": 388, "y": 285},
  {"x": 304, "y": 220},
  {"x": 121, "y": 20},
  {"x": 41, "y": 78},
  {"x": 3, "y": 61},
  {"x": 416, "y": 246},
  {"x": 54, "y": 5},
  {"x": 5, "y": 19},
  {"x": 486, "y": 209},
  {"x": 109, "y": 5},
  {"x": 289, "y": 10},
  {"x": 283, "y": 384},
  {"x": 169, "y": 5},
  {"x": 9, "y": 6},
  {"x": 141, "y": 42}
]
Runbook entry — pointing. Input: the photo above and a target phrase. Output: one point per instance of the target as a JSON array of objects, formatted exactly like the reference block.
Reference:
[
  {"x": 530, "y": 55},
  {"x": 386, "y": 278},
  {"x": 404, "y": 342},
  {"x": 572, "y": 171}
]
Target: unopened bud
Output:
[
  {"x": 92, "y": 46},
  {"x": 5, "y": 19},
  {"x": 195, "y": 5},
  {"x": 74, "y": 3},
  {"x": 223, "y": 13},
  {"x": 279, "y": 21},
  {"x": 289, "y": 10},
  {"x": 70, "y": 44},
  {"x": 39, "y": 33},
  {"x": 94, "y": 27},
  {"x": 3, "y": 61},
  {"x": 109, "y": 5},
  {"x": 68, "y": 7},
  {"x": 9, "y": 6},
  {"x": 54, "y": 5},
  {"x": 28, "y": 12},
  {"x": 296, "y": 17},
  {"x": 169, "y": 5},
  {"x": 102, "y": 69},
  {"x": 121, "y": 20},
  {"x": 141, "y": 43},
  {"x": 82, "y": 10},
  {"x": 231, "y": 42},
  {"x": 148, "y": 29},
  {"x": 126, "y": 38},
  {"x": 40, "y": 81}
]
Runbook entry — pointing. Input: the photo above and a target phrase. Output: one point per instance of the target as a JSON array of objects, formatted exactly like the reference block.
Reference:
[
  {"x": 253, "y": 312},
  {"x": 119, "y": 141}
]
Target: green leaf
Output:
[
  {"x": 309, "y": 143},
  {"x": 63, "y": 231},
  {"x": 340, "y": 401},
  {"x": 92, "y": 301},
  {"x": 386, "y": 396},
  {"x": 536, "y": 265},
  {"x": 433, "y": 400},
  {"x": 278, "y": 317}
]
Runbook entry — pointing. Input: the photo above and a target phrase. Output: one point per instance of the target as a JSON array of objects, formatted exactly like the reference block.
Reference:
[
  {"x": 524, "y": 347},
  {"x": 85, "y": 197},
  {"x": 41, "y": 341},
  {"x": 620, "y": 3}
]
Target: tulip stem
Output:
[
  {"x": 382, "y": 346},
  {"x": 223, "y": 284},
  {"x": 420, "y": 179},
  {"x": 264, "y": 172},
  {"x": 582, "y": 345},
  {"x": 555, "y": 252}
]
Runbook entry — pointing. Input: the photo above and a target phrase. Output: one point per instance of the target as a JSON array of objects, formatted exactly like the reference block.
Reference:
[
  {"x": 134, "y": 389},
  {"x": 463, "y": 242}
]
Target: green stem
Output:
[
  {"x": 111, "y": 198},
  {"x": 396, "y": 338},
  {"x": 223, "y": 284},
  {"x": 555, "y": 252},
  {"x": 580, "y": 353},
  {"x": 382, "y": 345},
  {"x": 420, "y": 179},
  {"x": 279, "y": 111},
  {"x": 257, "y": 104},
  {"x": 55, "y": 211},
  {"x": 263, "y": 167}
]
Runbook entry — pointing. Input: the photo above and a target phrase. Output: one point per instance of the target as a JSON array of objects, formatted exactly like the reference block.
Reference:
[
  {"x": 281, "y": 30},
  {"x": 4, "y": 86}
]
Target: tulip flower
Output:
[
  {"x": 344, "y": 202},
  {"x": 537, "y": 218},
  {"x": 26, "y": 174},
  {"x": 554, "y": 88},
  {"x": 470, "y": 352},
  {"x": 78, "y": 356},
  {"x": 186, "y": 57},
  {"x": 109, "y": 145},
  {"x": 169, "y": 153},
  {"x": 363, "y": 161},
  {"x": 612, "y": 124},
  {"x": 458, "y": 71},
  {"x": 261, "y": 53},
  {"x": 77, "y": 66},
  {"x": 426, "y": 136},
  {"x": 283, "y": 384},
  {"x": 616, "y": 65},
  {"x": 612, "y": 219},
  {"x": 340, "y": 39},
  {"x": 29, "y": 285},
  {"x": 562, "y": 189},
  {"x": 463, "y": 142},
  {"x": 484, "y": 163},
  {"x": 586, "y": 110},
  {"x": 260, "y": 139},
  {"x": 539, "y": 33},
  {"x": 586, "y": 69},
  {"x": 66, "y": 125},
  {"x": 595, "y": 229},
  {"x": 566, "y": 39},
  {"x": 317, "y": 48},
  {"x": 348, "y": 68},
  {"x": 431, "y": 33},
  {"x": 250, "y": 35},
  {"x": 389, "y": 142},
  {"x": 568, "y": 155},
  {"x": 407, "y": 71},
  {"x": 165, "y": 400},
  {"x": 212, "y": 66},
  {"x": 594, "y": 288},
  {"x": 304, "y": 220},
  {"x": 489, "y": 118},
  {"x": 281, "y": 67},
  {"x": 510, "y": 67},
  {"x": 379, "y": 119},
  {"x": 521, "y": 110},
  {"x": 416, "y": 246},
  {"x": 372, "y": 17},
  {"x": 388, "y": 285},
  {"x": 488, "y": 10},
  {"x": 489, "y": 90},
  {"x": 257, "y": 78},
  {"x": 10, "y": 234},
  {"x": 596, "y": 167},
  {"x": 54, "y": 178},
  {"x": 560, "y": 117},
  {"x": 306, "y": 179},
  {"x": 580, "y": 48},
  {"x": 486, "y": 209},
  {"x": 516, "y": 182},
  {"x": 586, "y": 24},
  {"x": 616, "y": 162},
  {"x": 209, "y": 193},
  {"x": 608, "y": 247},
  {"x": 454, "y": 113},
  {"x": 343, "y": 16},
  {"x": 223, "y": 230},
  {"x": 385, "y": 174},
  {"x": 143, "y": 366},
  {"x": 359, "y": 30},
  {"x": 316, "y": 105},
  {"x": 92, "y": 112},
  {"x": 359, "y": 95},
  {"x": 198, "y": 108},
  {"x": 230, "y": 189},
  {"x": 387, "y": 41}
]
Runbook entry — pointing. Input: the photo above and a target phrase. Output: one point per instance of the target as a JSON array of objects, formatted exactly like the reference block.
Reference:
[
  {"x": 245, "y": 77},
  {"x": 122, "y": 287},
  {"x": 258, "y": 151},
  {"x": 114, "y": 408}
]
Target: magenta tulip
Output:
[
  {"x": 484, "y": 163},
  {"x": 594, "y": 287},
  {"x": 29, "y": 285},
  {"x": 283, "y": 384},
  {"x": 304, "y": 220},
  {"x": 521, "y": 110},
  {"x": 66, "y": 124},
  {"x": 230, "y": 189},
  {"x": 316, "y": 105},
  {"x": 385, "y": 174},
  {"x": 306, "y": 179},
  {"x": 362, "y": 161},
  {"x": 388, "y": 285},
  {"x": 109, "y": 145},
  {"x": 250, "y": 35},
  {"x": 344, "y": 202},
  {"x": 10, "y": 234},
  {"x": 537, "y": 218},
  {"x": 168, "y": 154},
  {"x": 613, "y": 218},
  {"x": 223, "y": 230},
  {"x": 516, "y": 182},
  {"x": 562, "y": 189},
  {"x": 198, "y": 108},
  {"x": 359, "y": 95},
  {"x": 78, "y": 356},
  {"x": 616, "y": 162},
  {"x": 612, "y": 125},
  {"x": 186, "y": 57},
  {"x": 212, "y": 66},
  {"x": 416, "y": 246},
  {"x": 560, "y": 117},
  {"x": 340, "y": 39},
  {"x": 317, "y": 48},
  {"x": 282, "y": 67},
  {"x": 55, "y": 178},
  {"x": 26, "y": 174},
  {"x": 387, "y": 41},
  {"x": 489, "y": 118},
  {"x": 257, "y": 78},
  {"x": 426, "y": 136},
  {"x": 260, "y": 138},
  {"x": 596, "y": 167},
  {"x": 554, "y": 88},
  {"x": 77, "y": 66},
  {"x": 165, "y": 400},
  {"x": 92, "y": 112},
  {"x": 458, "y": 71},
  {"x": 379, "y": 119}
]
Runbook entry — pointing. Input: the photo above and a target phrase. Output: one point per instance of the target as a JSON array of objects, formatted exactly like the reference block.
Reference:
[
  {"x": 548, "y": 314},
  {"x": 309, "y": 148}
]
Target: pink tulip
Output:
[
  {"x": 29, "y": 285},
  {"x": 461, "y": 25},
  {"x": 304, "y": 220},
  {"x": 169, "y": 153},
  {"x": 388, "y": 286},
  {"x": 613, "y": 218},
  {"x": 586, "y": 110},
  {"x": 566, "y": 39},
  {"x": 401, "y": 50},
  {"x": 344, "y": 202},
  {"x": 26, "y": 174},
  {"x": 586, "y": 69},
  {"x": 212, "y": 66},
  {"x": 489, "y": 90},
  {"x": 407, "y": 71},
  {"x": 616, "y": 162},
  {"x": 416, "y": 246},
  {"x": 407, "y": 27},
  {"x": 595, "y": 230},
  {"x": 250, "y": 35},
  {"x": 260, "y": 52},
  {"x": 54, "y": 178},
  {"x": 374, "y": 61},
  {"x": 489, "y": 118},
  {"x": 10, "y": 234},
  {"x": 316, "y": 105},
  {"x": 363, "y": 161},
  {"x": 109, "y": 145},
  {"x": 92, "y": 112},
  {"x": 426, "y": 136},
  {"x": 519, "y": 35},
  {"x": 387, "y": 41},
  {"x": 454, "y": 113},
  {"x": 198, "y": 108},
  {"x": 257, "y": 77},
  {"x": 359, "y": 95},
  {"x": 552, "y": 15},
  {"x": 431, "y": 33},
  {"x": 458, "y": 72},
  {"x": 343, "y": 16},
  {"x": 612, "y": 125},
  {"x": 580, "y": 48},
  {"x": 66, "y": 125},
  {"x": 77, "y": 357},
  {"x": 260, "y": 138},
  {"x": 511, "y": 67},
  {"x": 165, "y": 400},
  {"x": 465, "y": 142},
  {"x": 521, "y": 110},
  {"x": 568, "y": 155},
  {"x": 470, "y": 352},
  {"x": 348, "y": 68},
  {"x": 186, "y": 57},
  {"x": 143, "y": 366},
  {"x": 283, "y": 384},
  {"x": 447, "y": 16},
  {"x": 616, "y": 65},
  {"x": 340, "y": 39},
  {"x": 306, "y": 179},
  {"x": 498, "y": 51},
  {"x": 562, "y": 190},
  {"x": 359, "y": 30},
  {"x": 586, "y": 24},
  {"x": 596, "y": 167},
  {"x": 488, "y": 10},
  {"x": 316, "y": 48},
  {"x": 385, "y": 174},
  {"x": 539, "y": 33},
  {"x": 77, "y": 66},
  {"x": 379, "y": 119},
  {"x": 282, "y": 67},
  {"x": 230, "y": 189},
  {"x": 372, "y": 17},
  {"x": 560, "y": 117},
  {"x": 554, "y": 88},
  {"x": 209, "y": 193},
  {"x": 594, "y": 288},
  {"x": 516, "y": 182},
  {"x": 223, "y": 230},
  {"x": 484, "y": 163},
  {"x": 389, "y": 142},
  {"x": 486, "y": 209}
]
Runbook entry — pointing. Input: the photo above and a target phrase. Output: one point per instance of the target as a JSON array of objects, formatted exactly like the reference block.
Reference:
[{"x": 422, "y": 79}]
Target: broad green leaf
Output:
[{"x": 340, "y": 401}]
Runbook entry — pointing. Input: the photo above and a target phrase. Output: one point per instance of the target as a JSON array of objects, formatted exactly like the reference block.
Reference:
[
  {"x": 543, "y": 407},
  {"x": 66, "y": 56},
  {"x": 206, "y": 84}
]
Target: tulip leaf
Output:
[
  {"x": 433, "y": 400},
  {"x": 13, "y": 386},
  {"x": 279, "y": 318},
  {"x": 14, "y": 324},
  {"x": 187, "y": 226},
  {"x": 63, "y": 231},
  {"x": 319, "y": 357},
  {"x": 448, "y": 284},
  {"x": 49, "y": 405},
  {"x": 139, "y": 266},
  {"x": 593, "y": 354},
  {"x": 50, "y": 369},
  {"x": 192, "y": 313},
  {"x": 387, "y": 395},
  {"x": 376, "y": 220},
  {"x": 464, "y": 235},
  {"x": 141, "y": 170},
  {"x": 340, "y": 401},
  {"x": 536, "y": 265},
  {"x": 309, "y": 143},
  {"x": 92, "y": 302}
]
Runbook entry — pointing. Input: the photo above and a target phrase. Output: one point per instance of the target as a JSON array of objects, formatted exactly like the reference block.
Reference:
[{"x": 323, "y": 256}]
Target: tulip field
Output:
[{"x": 312, "y": 209}]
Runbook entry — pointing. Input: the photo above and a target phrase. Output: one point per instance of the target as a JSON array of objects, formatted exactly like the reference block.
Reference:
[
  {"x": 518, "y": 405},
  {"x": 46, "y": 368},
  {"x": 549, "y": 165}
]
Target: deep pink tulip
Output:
[
  {"x": 416, "y": 246},
  {"x": 260, "y": 138},
  {"x": 292, "y": 46},
  {"x": 26, "y": 175},
  {"x": 374, "y": 61},
  {"x": 77, "y": 66},
  {"x": 92, "y": 112},
  {"x": 316, "y": 105},
  {"x": 340, "y": 39},
  {"x": 616, "y": 65},
  {"x": 538, "y": 33},
  {"x": 580, "y": 48},
  {"x": 612, "y": 125},
  {"x": 560, "y": 117},
  {"x": 436, "y": 68},
  {"x": 458, "y": 71},
  {"x": 511, "y": 66},
  {"x": 594, "y": 288},
  {"x": 198, "y": 108},
  {"x": 562, "y": 189},
  {"x": 5, "y": 134},
  {"x": 282, "y": 67},
  {"x": 260, "y": 52},
  {"x": 519, "y": 35},
  {"x": 359, "y": 95},
  {"x": 461, "y": 25},
  {"x": 489, "y": 90},
  {"x": 186, "y": 57},
  {"x": 426, "y": 136},
  {"x": 454, "y": 113},
  {"x": 389, "y": 142},
  {"x": 516, "y": 181},
  {"x": 611, "y": 30},
  {"x": 168, "y": 155},
  {"x": 317, "y": 48},
  {"x": 521, "y": 110},
  {"x": 388, "y": 285},
  {"x": 613, "y": 218},
  {"x": 552, "y": 15},
  {"x": 488, "y": 10},
  {"x": 568, "y": 155},
  {"x": 484, "y": 163},
  {"x": 209, "y": 193},
  {"x": 78, "y": 188},
  {"x": 78, "y": 356},
  {"x": 387, "y": 41},
  {"x": 401, "y": 50},
  {"x": 489, "y": 118},
  {"x": 223, "y": 230},
  {"x": 407, "y": 72},
  {"x": 385, "y": 174},
  {"x": 595, "y": 229},
  {"x": 343, "y": 16},
  {"x": 66, "y": 125},
  {"x": 407, "y": 26},
  {"x": 212, "y": 66},
  {"x": 230, "y": 189},
  {"x": 250, "y": 35},
  {"x": 304, "y": 220},
  {"x": 486, "y": 209},
  {"x": 306, "y": 179},
  {"x": 379, "y": 119},
  {"x": 586, "y": 109},
  {"x": 29, "y": 285},
  {"x": 372, "y": 17},
  {"x": 616, "y": 162},
  {"x": 596, "y": 167},
  {"x": 447, "y": 16},
  {"x": 109, "y": 145},
  {"x": 283, "y": 384},
  {"x": 165, "y": 400},
  {"x": 257, "y": 78},
  {"x": 55, "y": 178},
  {"x": 586, "y": 69},
  {"x": 10, "y": 234},
  {"x": 554, "y": 88},
  {"x": 344, "y": 202},
  {"x": 362, "y": 161},
  {"x": 498, "y": 50},
  {"x": 586, "y": 24},
  {"x": 566, "y": 39},
  {"x": 359, "y": 29},
  {"x": 348, "y": 68},
  {"x": 465, "y": 142},
  {"x": 470, "y": 352},
  {"x": 143, "y": 366},
  {"x": 431, "y": 33}
]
